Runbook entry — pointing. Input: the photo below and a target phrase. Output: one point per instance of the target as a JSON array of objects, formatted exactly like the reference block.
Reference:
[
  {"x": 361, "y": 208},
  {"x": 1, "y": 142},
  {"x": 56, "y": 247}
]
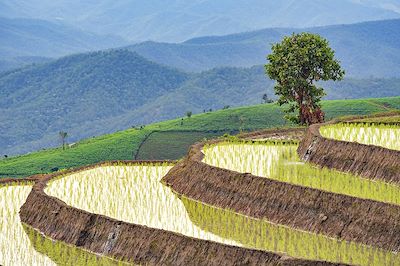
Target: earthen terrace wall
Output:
[
  {"x": 339, "y": 216},
  {"x": 365, "y": 160},
  {"x": 131, "y": 242}
]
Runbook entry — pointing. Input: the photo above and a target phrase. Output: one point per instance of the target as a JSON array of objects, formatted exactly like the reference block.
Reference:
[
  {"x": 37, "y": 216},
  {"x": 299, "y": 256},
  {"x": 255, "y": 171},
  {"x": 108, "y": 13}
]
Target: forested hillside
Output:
[
  {"x": 74, "y": 93},
  {"x": 101, "y": 92}
]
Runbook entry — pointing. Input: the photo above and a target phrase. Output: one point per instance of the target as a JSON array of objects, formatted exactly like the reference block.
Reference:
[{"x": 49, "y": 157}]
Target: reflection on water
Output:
[
  {"x": 259, "y": 234},
  {"x": 280, "y": 161},
  {"x": 15, "y": 247},
  {"x": 386, "y": 136},
  {"x": 63, "y": 254},
  {"x": 134, "y": 194}
]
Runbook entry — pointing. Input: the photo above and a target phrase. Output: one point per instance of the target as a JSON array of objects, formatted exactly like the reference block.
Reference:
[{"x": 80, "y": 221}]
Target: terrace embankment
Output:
[
  {"x": 339, "y": 216},
  {"x": 296, "y": 133},
  {"x": 365, "y": 160},
  {"x": 135, "y": 243}
]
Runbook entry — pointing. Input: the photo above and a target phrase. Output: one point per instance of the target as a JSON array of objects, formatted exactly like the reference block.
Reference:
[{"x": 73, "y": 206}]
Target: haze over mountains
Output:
[
  {"x": 24, "y": 41},
  {"x": 179, "y": 20},
  {"x": 364, "y": 49}
]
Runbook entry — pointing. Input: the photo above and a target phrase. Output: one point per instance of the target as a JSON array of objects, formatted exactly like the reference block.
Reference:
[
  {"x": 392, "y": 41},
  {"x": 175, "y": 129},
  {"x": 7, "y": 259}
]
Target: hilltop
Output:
[
  {"x": 364, "y": 49},
  {"x": 170, "y": 139},
  {"x": 25, "y": 41}
]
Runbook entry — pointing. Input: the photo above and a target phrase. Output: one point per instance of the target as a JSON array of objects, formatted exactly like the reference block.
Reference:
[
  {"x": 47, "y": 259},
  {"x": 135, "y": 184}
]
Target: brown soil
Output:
[
  {"x": 340, "y": 216},
  {"x": 131, "y": 242},
  {"x": 365, "y": 160},
  {"x": 287, "y": 133}
]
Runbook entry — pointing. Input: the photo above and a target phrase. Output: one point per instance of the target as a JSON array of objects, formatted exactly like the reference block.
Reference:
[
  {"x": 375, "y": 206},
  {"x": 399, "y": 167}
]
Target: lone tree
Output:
[
  {"x": 189, "y": 114},
  {"x": 266, "y": 99},
  {"x": 63, "y": 136},
  {"x": 296, "y": 63}
]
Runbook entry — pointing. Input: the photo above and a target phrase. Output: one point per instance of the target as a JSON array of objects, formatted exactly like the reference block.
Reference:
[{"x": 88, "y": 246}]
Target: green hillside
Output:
[
  {"x": 97, "y": 93},
  {"x": 127, "y": 144},
  {"x": 74, "y": 94}
]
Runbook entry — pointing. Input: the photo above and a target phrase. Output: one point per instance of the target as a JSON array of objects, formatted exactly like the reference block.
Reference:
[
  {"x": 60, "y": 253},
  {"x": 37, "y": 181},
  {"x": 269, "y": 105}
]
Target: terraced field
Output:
[
  {"x": 280, "y": 161},
  {"x": 384, "y": 135},
  {"x": 116, "y": 203},
  {"x": 15, "y": 247},
  {"x": 140, "y": 198},
  {"x": 22, "y": 245}
]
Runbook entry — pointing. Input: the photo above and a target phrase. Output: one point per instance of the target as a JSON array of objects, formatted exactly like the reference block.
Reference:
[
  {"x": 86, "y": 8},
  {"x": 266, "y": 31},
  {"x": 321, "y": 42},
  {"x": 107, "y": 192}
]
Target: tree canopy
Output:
[{"x": 296, "y": 64}]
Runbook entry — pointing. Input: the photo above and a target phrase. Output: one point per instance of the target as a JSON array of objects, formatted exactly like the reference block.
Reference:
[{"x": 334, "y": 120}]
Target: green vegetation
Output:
[
  {"x": 140, "y": 198},
  {"x": 279, "y": 161},
  {"x": 98, "y": 93},
  {"x": 21, "y": 245},
  {"x": 83, "y": 94},
  {"x": 124, "y": 145},
  {"x": 383, "y": 135},
  {"x": 15, "y": 247},
  {"x": 117, "y": 146},
  {"x": 261, "y": 234},
  {"x": 381, "y": 120},
  {"x": 296, "y": 63},
  {"x": 62, "y": 254},
  {"x": 171, "y": 145},
  {"x": 137, "y": 196}
]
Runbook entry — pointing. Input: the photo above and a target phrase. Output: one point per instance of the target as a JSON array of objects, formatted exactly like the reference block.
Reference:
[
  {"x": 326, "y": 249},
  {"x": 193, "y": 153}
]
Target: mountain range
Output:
[
  {"x": 364, "y": 49},
  {"x": 24, "y": 41},
  {"x": 181, "y": 65},
  {"x": 368, "y": 49},
  {"x": 179, "y": 20},
  {"x": 101, "y": 92}
]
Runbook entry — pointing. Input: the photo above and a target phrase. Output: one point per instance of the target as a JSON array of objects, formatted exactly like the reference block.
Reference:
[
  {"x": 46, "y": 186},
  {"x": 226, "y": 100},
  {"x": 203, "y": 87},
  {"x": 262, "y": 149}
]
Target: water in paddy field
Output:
[
  {"x": 279, "y": 161},
  {"x": 15, "y": 246},
  {"x": 135, "y": 194},
  {"x": 20, "y": 245},
  {"x": 387, "y": 136}
]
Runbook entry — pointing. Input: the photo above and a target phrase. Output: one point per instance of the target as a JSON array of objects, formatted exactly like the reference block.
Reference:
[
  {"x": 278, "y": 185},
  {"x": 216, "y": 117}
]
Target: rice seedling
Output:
[
  {"x": 135, "y": 194},
  {"x": 15, "y": 247},
  {"x": 21, "y": 245},
  {"x": 129, "y": 193},
  {"x": 63, "y": 254},
  {"x": 384, "y": 135},
  {"x": 279, "y": 161},
  {"x": 261, "y": 234}
]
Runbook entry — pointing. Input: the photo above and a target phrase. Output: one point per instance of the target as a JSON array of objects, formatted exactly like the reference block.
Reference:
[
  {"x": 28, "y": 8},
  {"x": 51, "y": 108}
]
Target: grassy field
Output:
[
  {"x": 171, "y": 145},
  {"x": 124, "y": 145},
  {"x": 381, "y": 120}
]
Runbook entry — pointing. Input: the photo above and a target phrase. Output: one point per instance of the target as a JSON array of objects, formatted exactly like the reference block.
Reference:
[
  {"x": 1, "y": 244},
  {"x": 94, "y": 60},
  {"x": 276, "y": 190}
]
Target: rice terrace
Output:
[
  {"x": 268, "y": 197},
  {"x": 200, "y": 133}
]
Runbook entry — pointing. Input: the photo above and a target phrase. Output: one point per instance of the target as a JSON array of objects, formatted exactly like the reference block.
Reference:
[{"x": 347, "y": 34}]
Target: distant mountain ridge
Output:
[
  {"x": 365, "y": 49},
  {"x": 102, "y": 92},
  {"x": 177, "y": 20},
  {"x": 25, "y": 41}
]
